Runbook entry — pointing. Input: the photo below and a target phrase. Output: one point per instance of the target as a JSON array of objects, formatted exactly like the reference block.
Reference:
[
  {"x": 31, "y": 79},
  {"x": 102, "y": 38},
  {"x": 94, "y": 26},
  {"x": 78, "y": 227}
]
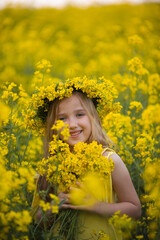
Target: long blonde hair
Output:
[{"x": 97, "y": 133}]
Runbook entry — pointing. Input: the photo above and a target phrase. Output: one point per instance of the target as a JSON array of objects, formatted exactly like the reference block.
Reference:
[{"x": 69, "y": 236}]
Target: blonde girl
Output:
[{"x": 78, "y": 110}]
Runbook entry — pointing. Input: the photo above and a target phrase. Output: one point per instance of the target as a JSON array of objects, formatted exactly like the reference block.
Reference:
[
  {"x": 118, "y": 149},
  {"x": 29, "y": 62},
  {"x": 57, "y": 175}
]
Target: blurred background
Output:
[
  {"x": 63, "y": 3},
  {"x": 118, "y": 40},
  {"x": 95, "y": 40}
]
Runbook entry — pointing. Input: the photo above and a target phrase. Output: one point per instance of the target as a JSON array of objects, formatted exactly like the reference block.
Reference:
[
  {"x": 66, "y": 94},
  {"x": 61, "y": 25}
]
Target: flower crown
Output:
[{"x": 101, "y": 91}]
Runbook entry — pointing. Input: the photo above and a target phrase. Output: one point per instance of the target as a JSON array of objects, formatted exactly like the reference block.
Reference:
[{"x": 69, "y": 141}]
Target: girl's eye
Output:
[
  {"x": 62, "y": 118},
  {"x": 80, "y": 114}
]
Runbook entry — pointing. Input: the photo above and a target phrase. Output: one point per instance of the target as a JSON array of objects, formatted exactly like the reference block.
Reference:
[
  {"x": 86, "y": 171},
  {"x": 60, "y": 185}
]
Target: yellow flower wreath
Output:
[{"x": 101, "y": 91}]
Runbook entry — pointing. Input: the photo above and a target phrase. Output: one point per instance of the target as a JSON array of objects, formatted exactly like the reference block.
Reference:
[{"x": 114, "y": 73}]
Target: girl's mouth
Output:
[{"x": 75, "y": 134}]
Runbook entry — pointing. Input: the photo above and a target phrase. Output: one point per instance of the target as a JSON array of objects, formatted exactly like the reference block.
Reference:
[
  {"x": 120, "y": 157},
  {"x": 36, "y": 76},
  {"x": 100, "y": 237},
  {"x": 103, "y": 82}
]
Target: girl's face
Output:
[{"x": 71, "y": 111}]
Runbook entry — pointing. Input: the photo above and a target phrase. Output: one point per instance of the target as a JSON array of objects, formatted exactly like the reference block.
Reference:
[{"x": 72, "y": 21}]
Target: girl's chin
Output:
[{"x": 73, "y": 142}]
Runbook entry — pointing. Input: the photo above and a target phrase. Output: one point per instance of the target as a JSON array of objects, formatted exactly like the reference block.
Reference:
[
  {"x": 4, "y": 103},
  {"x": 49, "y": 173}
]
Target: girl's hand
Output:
[
  {"x": 64, "y": 196},
  {"x": 88, "y": 203}
]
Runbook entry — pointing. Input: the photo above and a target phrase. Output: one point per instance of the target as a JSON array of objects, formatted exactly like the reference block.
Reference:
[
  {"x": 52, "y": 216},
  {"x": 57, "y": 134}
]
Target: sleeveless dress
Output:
[{"x": 91, "y": 224}]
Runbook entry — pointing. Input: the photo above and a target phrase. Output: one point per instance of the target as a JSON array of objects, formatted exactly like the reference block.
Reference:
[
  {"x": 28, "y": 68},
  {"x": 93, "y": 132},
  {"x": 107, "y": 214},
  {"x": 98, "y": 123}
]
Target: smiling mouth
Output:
[{"x": 75, "y": 134}]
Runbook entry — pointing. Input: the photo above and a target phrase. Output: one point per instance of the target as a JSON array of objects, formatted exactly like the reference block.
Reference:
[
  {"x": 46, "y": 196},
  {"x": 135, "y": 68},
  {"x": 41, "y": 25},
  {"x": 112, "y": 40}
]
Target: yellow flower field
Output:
[{"x": 38, "y": 47}]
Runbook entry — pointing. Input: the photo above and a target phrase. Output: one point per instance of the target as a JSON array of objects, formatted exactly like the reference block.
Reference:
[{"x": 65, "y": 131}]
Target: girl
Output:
[{"x": 79, "y": 112}]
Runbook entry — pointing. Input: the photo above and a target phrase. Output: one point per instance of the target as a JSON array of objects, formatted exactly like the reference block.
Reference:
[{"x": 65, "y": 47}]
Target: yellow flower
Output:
[
  {"x": 5, "y": 188},
  {"x": 122, "y": 223},
  {"x": 78, "y": 197},
  {"x": 6, "y": 111},
  {"x": 137, "y": 105},
  {"x": 55, "y": 209},
  {"x": 62, "y": 128},
  {"x": 119, "y": 129},
  {"x": 23, "y": 219},
  {"x": 93, "y": 189},
  {"x": 45, "y": 205},
  {"x": 95, "y": 186},
  {"x": 65, "y": 168},
  {"x": 43, "y": 64},
  {"x": 151, "y": 116},
  {"x": 140, "y": 237},
  {"x": 100, "y": 90},
  {"x": 135, "y": 65},
  {"x": 54, "y": 198},
  {"x": 135, "y": 40},
  {"x": 65, "y": 132}
]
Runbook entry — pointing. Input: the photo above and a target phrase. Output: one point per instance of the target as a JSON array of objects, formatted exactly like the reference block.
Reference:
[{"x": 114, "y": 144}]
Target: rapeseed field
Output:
[{"x": 40, "y": 46}]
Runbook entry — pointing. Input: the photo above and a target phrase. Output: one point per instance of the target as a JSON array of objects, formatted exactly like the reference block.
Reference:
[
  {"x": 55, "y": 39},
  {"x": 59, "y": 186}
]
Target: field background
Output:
[{"x": 118, "y": 42}]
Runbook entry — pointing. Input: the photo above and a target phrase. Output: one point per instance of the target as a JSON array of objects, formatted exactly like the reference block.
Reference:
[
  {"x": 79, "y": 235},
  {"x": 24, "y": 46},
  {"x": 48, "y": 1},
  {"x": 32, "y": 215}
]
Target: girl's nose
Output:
[{"x": 72, "y": 123}]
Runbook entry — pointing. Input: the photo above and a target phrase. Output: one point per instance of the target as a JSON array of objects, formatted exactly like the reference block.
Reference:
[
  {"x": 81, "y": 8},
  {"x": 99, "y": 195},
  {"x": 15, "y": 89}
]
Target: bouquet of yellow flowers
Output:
[{"x": 63, "y": 168}]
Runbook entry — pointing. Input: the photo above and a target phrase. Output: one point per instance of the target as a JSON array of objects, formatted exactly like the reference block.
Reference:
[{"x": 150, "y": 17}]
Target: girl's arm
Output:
[{"x": 128, "y": 200}]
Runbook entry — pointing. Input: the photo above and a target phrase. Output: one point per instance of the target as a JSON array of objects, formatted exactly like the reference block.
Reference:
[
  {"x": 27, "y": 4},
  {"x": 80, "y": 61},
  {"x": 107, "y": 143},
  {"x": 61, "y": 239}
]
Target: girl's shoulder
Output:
[
  {"x": 107, "y": 152},
  {"x": 110, "y": 153}
]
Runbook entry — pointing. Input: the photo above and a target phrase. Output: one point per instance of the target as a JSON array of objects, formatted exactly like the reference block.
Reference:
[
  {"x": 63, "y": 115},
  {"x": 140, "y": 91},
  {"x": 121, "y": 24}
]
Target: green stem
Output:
[{"x": 25, "y": 148}]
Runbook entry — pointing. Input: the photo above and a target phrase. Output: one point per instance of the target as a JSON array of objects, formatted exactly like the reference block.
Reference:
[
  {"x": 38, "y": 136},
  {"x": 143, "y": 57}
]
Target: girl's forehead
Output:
[{"x": 70, "y": 102}]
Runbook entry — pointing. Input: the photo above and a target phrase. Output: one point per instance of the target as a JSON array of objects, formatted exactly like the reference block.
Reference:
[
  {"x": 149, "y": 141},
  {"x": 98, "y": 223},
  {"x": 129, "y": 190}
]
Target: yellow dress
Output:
[{"x": 91, "y": 224}]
